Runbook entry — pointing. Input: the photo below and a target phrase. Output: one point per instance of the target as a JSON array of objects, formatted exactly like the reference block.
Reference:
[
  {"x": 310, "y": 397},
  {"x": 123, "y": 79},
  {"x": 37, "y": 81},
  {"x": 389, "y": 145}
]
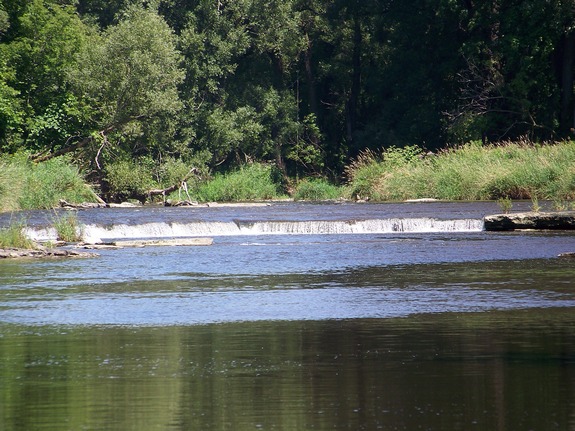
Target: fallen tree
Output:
[{"x": 180, "y": 185}]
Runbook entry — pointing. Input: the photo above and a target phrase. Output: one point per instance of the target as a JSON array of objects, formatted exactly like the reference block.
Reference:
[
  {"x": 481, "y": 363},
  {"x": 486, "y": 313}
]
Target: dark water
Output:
[{"x": 414, "y": 330}]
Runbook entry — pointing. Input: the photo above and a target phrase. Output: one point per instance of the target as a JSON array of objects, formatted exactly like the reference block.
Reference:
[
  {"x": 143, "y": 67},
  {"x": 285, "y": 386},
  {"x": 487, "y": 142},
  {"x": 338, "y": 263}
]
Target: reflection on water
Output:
[
  {"x": 371, "y": 292},
  {"x": 444, "y": 331},
  {"x": 483, "y": 371}
]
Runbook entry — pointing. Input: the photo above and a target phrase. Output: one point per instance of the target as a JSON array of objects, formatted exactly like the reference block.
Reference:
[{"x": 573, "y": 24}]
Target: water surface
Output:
[{"x": 408, "y": 329}]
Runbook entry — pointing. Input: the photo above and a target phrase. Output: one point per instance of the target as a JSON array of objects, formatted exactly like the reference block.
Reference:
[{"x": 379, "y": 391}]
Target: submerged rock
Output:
[{"x": 561, "y": 220}]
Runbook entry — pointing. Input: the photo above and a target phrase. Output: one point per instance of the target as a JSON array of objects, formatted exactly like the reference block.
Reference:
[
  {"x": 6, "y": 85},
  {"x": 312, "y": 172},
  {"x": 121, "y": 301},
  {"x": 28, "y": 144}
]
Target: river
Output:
[{"x": 300, "y": 316}]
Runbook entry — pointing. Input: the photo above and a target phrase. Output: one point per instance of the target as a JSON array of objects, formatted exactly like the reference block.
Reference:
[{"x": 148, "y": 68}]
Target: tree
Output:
[
  {"x": 508, "y": 86},
  {"x": 129, "y": 76},
  {"x": 39, "y": 44}
]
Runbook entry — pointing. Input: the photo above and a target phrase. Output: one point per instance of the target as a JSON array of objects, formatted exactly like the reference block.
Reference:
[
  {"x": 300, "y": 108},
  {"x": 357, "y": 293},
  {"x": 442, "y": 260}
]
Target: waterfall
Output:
[
  {"x": 97, "y": 233},
  {"x": 93, "y": 233}
]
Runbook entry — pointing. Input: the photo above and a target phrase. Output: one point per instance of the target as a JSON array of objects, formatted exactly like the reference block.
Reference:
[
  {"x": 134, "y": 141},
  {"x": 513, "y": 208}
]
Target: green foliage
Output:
[
  {"x": 250, "y": 182},
  {"x": 306, "y": 84},
  {"x": 316, "y": 190},
  {"x": 67, "y": 227},
  {"x": 129, "y": 179},
  {"x": 369, "y": 171},
  {"x": 24, "y": 185},
  {"x": 13, "y": 172},
  {"x": 13, "y": 236},
  {"x": 505, "y": 204},
  {"x": 39, "y": 48},
  {"x": 519, "y": 170},
  {"x": 129, "y": 75},
  {"x": 46, "y": 183}
]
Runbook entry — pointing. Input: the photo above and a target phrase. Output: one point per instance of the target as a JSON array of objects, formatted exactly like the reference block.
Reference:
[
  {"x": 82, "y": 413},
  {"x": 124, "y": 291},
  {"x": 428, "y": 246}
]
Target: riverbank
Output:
[
  {"x": 508, "y": 170},
  {"x": 472, "y": 172}
]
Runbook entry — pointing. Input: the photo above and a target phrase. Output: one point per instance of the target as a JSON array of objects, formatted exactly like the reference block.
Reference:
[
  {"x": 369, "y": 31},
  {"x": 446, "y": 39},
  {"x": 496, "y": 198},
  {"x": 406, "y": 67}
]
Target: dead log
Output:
[
  {"x": 182, "y": 184},
  {"x": 84, "y": 205}
]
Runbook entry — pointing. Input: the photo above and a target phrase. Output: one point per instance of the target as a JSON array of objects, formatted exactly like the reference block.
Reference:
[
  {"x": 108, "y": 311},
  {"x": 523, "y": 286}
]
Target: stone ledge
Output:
[
  {"x": 149, "y": 243},
  {"x": 14, "y": 253},
  {"x": 560, "y": 220}
]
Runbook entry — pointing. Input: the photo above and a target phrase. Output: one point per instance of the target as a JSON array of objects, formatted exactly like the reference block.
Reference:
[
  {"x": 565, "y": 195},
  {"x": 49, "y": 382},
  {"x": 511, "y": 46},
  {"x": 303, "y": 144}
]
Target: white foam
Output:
[{"x": 98, "y": 233}]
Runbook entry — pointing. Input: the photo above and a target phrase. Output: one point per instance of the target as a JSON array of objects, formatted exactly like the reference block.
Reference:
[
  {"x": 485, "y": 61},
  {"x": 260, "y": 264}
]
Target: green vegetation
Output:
[
  {"x": 26, "y": 185},
  {"x": 133, "y": 95},
  {"x": 134, "y": 88},
  {"x": 502, "y": 172},
  {"x": 13, "y": 237},
  {"x": 316, "y": 190},
  {"x": 520, "y": 170},
  {"x": 250, "y": 182},
  {"x": 67, "y": 227}
]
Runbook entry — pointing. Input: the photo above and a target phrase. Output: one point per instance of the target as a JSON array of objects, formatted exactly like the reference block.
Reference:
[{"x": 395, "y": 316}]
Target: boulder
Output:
[{"x": 560, "y": 220}]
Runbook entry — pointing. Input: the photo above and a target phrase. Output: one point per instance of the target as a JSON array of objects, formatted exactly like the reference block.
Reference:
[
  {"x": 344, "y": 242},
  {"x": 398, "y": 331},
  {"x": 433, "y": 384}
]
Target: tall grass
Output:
[
  {"x": 25, "y": 185},
  {"x": 514, "y": 170},
  {"x": 251, "y": 182},
  {"x": 67, "y": 227},
  {"x": 316, "y": 190},
  {"x": 13, "y": 236}
]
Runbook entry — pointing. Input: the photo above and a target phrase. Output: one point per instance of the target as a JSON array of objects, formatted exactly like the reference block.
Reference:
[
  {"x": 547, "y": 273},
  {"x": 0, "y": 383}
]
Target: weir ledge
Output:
[{"x": 560, "y": 220}]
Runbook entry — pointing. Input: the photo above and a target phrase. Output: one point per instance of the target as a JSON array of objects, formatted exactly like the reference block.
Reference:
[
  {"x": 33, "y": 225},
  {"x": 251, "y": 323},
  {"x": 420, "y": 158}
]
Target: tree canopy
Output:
[{"x": 304, "y": 84}]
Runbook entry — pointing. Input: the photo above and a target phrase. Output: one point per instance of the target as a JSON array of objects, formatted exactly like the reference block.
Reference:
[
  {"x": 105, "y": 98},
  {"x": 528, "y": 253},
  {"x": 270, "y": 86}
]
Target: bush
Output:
[
  {"x": 251, "y": 182},
  {"x": 316, "y": 190},
  {"x": 129, "y": 179}
]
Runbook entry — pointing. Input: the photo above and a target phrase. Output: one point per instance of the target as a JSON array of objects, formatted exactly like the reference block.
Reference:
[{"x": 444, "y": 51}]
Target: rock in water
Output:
[{"x": 561, "y": 220}]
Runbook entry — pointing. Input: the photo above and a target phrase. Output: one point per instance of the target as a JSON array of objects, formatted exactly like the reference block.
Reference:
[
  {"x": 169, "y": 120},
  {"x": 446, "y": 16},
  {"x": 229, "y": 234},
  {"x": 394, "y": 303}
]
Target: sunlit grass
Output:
[
  {"x": 26, "y": 185},
  {"x": 67, "y": 227},
  {"x": 251, "y": 182},
  {"x": 514, "y": 170},
  {"x": 13, "y": 236}
]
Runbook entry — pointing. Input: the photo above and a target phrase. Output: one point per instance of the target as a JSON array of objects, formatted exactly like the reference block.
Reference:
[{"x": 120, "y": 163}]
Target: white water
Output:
[{"x": 97, "y": 233}]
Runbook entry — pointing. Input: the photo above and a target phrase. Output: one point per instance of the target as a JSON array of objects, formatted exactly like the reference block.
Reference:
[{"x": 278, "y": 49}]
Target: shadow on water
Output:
[{"x": 484, "y": 371}]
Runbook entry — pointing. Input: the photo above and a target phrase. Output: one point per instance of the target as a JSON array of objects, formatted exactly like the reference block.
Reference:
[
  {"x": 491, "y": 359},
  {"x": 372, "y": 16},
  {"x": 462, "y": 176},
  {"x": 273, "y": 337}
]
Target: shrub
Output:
[
  {"x": 316, "y": 190},
  {"x": 251, "y": 182},
  {"x": 129, "y": 179}
]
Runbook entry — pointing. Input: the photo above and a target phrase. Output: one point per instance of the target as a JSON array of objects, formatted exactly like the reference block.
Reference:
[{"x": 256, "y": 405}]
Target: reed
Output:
[
  {"x": 254, "y": 181},
  {"x": 25, "y": 185},
  {"x": 13, "y": 236},
  {"x": 514, "y": 170},
  {"x": 67, "y": 227},
  {"x": 316, "y": 190}
]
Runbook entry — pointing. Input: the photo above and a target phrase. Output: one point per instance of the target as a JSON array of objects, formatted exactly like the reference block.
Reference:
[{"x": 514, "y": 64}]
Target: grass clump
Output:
[
  {"x": 26, "y": 185},
  {"x": 251, "y": 182},
  {"x": 514, "y": 170},
  {"x": 13, "y": 236},
  {"x": 316, "y": 190},
  {"x": 67, "y": 227}
]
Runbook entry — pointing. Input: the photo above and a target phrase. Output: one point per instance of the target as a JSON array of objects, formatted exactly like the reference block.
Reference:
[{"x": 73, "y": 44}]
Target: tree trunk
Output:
[
  {"x": 310, "y": 77},
  {"x": 567, "y": 76},
  {"x": 353, "y": 101}
]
